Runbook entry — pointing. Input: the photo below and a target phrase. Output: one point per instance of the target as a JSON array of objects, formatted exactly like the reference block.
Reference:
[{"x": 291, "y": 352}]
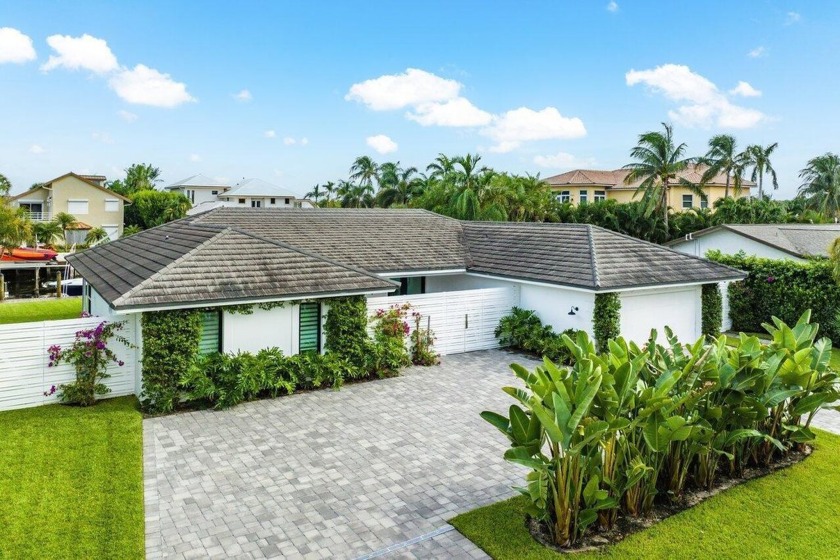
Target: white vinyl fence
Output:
[
  {"x": 461, "y": 321},
  {"x": 24, "y": 359}
]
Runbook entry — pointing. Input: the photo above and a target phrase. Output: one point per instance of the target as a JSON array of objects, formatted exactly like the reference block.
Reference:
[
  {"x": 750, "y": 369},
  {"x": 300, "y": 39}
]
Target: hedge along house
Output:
[{"x": 463, "y": 276}]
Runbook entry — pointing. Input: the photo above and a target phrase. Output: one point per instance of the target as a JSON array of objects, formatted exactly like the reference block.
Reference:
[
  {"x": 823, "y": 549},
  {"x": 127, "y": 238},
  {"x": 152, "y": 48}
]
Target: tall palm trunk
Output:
[
  {"x": 666, "y": 188},
  {"x": 761, "y": 184},
  {"x": 726, "y": 190}
]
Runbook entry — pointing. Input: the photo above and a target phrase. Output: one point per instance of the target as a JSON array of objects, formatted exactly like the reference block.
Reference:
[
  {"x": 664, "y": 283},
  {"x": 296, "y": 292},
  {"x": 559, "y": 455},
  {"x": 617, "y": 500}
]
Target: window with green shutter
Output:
[
  {"x": 211, "y": 333},
  {"x": 310, "y": 327}
]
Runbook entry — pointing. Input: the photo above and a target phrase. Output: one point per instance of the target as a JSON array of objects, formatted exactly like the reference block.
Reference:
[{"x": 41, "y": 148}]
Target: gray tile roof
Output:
[
  {"x": 258, "y": 187},
  {"x": 197, "y": 181},
  {"x": 201, "y": 264},
  {"x": 379, "y": 240},
  {"x": 583, "y": 256},
  {"x": 231, "y": 254},
  {"x": 799, "y": 240}
]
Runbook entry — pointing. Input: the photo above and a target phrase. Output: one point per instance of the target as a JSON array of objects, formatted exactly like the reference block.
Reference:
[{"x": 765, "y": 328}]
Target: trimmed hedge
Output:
[
  {"x": 170, "y": 344},
  {"x": 784, "y": 289},
  {"x": 712, "y": 309},
  {"x": 523, "y": 330},
  {"x": 606, "y": 319}
]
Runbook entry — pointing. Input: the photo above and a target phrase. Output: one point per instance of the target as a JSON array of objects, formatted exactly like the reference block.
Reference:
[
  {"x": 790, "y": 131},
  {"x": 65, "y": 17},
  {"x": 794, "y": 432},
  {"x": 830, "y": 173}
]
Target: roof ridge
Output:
[
  {"x": 596, "y": 280},
  {"x": 166, "y": 268}
]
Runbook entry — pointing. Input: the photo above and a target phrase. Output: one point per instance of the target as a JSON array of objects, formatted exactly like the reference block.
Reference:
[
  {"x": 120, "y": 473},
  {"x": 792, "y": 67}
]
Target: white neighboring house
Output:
[
  {"x": 795, "y": 242},
  {"x": 199, "y": 189},
  {"x": 250, "y": 193}
]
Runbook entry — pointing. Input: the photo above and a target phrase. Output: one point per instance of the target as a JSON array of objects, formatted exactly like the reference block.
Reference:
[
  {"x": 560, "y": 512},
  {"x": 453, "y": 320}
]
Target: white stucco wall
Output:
[
  {"x": 262, "y": 329},
  {"x": 678, "y": 308},
  {"x": 100, "y": 308},
  {"x": 553, "y": 305},
  {"x": 729, "y": 243}
]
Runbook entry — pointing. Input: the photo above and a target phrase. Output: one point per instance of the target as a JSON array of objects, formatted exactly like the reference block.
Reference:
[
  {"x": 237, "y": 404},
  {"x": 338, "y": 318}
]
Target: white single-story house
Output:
[
  {"x": 463, "y": 276},
  {"x": 796, "y": 242}
]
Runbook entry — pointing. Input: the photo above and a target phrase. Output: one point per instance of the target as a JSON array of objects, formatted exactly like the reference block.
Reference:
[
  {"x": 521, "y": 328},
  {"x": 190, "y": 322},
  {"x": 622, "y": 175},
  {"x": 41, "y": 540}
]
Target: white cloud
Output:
[
  {"x": 270, "y": 134},
  {"x": 103, "y": 137},
  {"x": 455, "y": 112},
  {"x": 289, "y": 141},
  {"x": 744, "y": 89},
  {"x": 757, "y": 52},
  {"x": 195, "y": 158},
  {"x": 244, "y": 96},
  {"x": 15, "y": 47},
  {"x": 80, "y": 53},
  {"x": 793, "y": 17},
  {"x": 512, "y": 128},
  {"x": 612, "y": 6},
  {"x": 396, "y": 91},
  {"x": 36, "y": 149},
  {"x": 304, "y": 141},
  {"x": 127, "y": 116},
  {"x": 703, "y": 105},
  {"x": 146, "y": 86},
  {"x": 382, "y": 144},
  {"x": 563, "y": 160}
]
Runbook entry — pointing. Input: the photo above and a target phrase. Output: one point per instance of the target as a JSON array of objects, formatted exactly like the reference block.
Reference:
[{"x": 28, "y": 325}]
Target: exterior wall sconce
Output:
[{"x": 573, "y": 310}]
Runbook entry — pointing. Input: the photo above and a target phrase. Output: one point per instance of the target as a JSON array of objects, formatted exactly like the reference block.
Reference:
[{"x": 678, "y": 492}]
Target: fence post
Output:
[
  {"x": 2, "y": 287},
  {"x": 58, "y": 285}
]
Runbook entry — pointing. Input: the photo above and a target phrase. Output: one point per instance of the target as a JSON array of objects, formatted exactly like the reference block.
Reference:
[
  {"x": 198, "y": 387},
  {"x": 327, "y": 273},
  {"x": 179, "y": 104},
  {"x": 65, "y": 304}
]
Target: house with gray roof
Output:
[
  {"x": 207, "y": 194},
  {"x": 796, "y": 242},
  {"x": 463, "y": 276},
  {"x": 199, "y": 189}
]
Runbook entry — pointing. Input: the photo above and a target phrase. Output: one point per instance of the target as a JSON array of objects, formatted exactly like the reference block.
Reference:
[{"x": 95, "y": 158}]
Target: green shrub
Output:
[
  {"x": 712, "y": 310},
  {"x": 523, "y": 330},
  {"x": 606, "y": 318},
  {"x": 422, "y": 342},
  {"x": 621, "y": 430},
  {"x": 345, "y": 329},
  {"x": 784, "y": 289},
  {"x": 225, "y": 380},
  {"x": 388, "y": 353},
  {"x": 170, "y": 344}
]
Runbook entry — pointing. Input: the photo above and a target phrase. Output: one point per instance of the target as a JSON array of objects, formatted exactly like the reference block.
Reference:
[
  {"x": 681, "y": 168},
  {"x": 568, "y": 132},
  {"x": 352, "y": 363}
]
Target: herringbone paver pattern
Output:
[{"x": 333, "y": 474}]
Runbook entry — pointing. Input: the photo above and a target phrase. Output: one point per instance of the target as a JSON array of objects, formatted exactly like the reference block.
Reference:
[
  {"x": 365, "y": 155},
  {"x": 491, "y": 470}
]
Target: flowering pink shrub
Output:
[{"x": 90, "y": 355}]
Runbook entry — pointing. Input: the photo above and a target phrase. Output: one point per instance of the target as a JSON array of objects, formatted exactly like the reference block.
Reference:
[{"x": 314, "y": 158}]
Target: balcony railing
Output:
[{"x": 39, "y": 216}]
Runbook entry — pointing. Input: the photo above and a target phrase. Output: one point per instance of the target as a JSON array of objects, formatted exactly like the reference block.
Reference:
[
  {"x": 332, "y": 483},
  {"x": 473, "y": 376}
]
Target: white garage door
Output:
[
  {"x": 654, "y": 309},
  {"x": 462, "y": 321}
]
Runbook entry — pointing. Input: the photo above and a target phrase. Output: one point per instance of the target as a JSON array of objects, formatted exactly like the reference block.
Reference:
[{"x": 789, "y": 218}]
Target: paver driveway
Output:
[{"x": 348, "y": 474}]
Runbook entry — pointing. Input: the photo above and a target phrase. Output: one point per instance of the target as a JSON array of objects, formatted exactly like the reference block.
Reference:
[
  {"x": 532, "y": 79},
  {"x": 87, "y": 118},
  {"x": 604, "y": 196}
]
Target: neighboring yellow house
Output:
[
  {"x": 583, "y": 185},
  {"x": 85, "y": 197}
]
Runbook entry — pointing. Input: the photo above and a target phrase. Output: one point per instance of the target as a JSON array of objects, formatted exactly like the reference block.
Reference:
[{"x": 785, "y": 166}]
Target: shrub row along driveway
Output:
[{"x": 328, "y": 474}]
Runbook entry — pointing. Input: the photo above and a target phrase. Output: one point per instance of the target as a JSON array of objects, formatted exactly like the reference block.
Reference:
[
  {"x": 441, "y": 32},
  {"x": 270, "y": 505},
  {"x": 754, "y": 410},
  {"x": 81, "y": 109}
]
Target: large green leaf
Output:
[{"x": 501, "y": 423}]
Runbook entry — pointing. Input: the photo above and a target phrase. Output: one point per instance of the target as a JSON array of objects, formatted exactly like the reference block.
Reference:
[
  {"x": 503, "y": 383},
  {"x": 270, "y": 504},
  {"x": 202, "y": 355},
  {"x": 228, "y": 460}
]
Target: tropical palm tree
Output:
[
  {"x": 723, "y": 157},
  {"x": 441, "y": 167},
  {"x": 15, "y": 226},
  {"x": 47, "y": 232},
  {"x": 821, "y": 184},
  {"x": 315, "y": 194},
  {"x": 364, "y": 171},
  {"x": 329, "y": 189},
  {"x": 96, "y": 235},
  {"x": 658, "y": 165},
  {"x": 5, "y": 185},
  {"x": 400, "y": 189},
  {"x": 66, "y": 221},
  {"x": 758, "y": 157},
  {"x": 131, "y": 230}
]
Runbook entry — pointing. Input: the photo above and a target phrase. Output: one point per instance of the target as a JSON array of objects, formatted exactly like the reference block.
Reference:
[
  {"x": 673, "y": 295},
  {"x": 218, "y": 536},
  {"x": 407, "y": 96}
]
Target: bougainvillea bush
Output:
[{"x": 90, "y": 355}]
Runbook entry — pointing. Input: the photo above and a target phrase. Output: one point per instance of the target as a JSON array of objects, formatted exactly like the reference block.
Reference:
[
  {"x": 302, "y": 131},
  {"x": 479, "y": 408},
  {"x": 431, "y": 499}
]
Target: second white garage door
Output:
[
  {"x": 462, "y": 321},
  {"x": 644, "y": 310}
]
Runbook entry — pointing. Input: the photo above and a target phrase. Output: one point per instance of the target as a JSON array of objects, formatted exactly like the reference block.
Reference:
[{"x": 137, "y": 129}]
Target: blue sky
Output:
[{"x": 533, "y": 86}]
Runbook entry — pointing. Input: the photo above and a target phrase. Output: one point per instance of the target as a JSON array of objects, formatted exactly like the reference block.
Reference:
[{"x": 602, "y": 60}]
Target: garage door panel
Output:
[
  {"x": 462, "y": 321},
  {"x": 643, "y": 311}
]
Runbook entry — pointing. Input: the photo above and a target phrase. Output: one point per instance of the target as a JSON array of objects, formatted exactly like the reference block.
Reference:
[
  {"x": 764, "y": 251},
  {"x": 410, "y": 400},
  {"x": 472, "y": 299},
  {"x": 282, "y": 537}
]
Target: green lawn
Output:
[
  {"x": 40, "y": 310},
  {"x": 789, "y": 514},
  {"x": 71, "y": 481}
]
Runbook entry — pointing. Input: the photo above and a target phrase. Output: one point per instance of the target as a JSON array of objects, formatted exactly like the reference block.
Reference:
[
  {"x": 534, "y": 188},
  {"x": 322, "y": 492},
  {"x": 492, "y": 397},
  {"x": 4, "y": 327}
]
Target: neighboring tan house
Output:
[
  {"x": 583, "y": 185},
  {"x": 796, "y": 242},
  {"x": 199, "y": 189},
  {"x": 84, "y": 197}
]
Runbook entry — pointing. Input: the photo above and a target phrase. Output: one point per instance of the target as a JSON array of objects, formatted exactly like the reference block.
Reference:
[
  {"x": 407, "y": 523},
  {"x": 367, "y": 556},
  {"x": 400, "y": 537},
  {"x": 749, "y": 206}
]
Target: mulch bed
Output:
[{"x": 626, "y": 525}]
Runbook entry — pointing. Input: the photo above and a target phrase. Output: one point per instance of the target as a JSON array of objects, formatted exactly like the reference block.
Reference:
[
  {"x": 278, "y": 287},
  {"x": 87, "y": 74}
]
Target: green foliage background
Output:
[
  {"x": 712, "y": 309},
  {"x": 606, "y": 318}
]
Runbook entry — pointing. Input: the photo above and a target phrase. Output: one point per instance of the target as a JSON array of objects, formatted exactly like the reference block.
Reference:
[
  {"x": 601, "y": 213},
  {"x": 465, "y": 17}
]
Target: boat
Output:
[
  {"x": 29, "y": 254},
  {"x": 72, "y": 287}
]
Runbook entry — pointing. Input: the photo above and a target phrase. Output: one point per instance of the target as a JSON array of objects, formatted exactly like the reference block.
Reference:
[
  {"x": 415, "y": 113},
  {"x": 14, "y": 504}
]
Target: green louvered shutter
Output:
[
  {"x": 210, "y": 323},
  {"x": 310, "y": 327}
]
